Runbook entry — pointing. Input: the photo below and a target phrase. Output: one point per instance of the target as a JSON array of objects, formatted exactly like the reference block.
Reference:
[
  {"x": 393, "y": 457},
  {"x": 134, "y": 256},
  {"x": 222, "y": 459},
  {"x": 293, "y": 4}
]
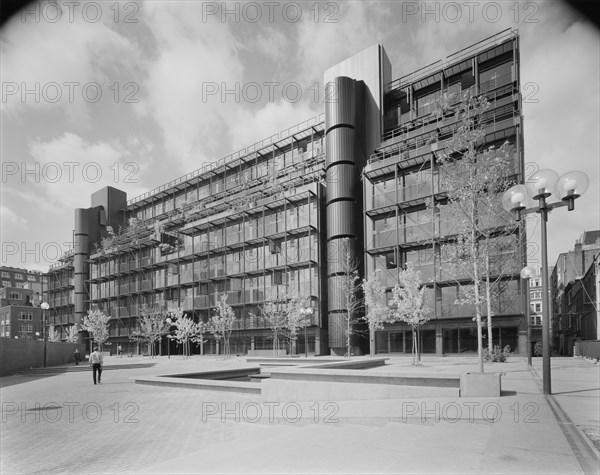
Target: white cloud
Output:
[
  {"x": 249, "y": 127},
  {"x": 70, "y": 169},
  {"x": 10, "y": 218},
  {"x": 562, "y": 119},
  {"x": 354, "y": 27},
  {"x": 44, "y": 57},
  {"x": 272, "y": 43},
  {"x": 192, "y": 56}
]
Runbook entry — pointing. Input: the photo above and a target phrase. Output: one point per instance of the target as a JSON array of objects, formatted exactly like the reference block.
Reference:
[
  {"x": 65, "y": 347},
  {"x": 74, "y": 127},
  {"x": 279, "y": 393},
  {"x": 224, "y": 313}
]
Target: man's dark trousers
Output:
[{"x": 97, "y": 367}]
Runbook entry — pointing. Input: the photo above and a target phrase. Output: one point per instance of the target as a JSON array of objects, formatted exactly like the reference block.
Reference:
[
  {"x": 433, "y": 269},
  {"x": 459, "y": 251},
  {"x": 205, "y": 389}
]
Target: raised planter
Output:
[{"x": 480, "y": 385}]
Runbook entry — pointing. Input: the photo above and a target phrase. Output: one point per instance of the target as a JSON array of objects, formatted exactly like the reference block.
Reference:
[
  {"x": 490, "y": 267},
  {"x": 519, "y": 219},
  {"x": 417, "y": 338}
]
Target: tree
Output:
[
  {"x": 73, "y": 334},
  {"x": 221, "y": 323},
  {"x": 295, "y": 320},
  {"x": 472, "y": 177},
  {"x": 351, "y": 292},
  {"x": 186, "y": 330},
  {"x": 96, "y": 323},
  {"x": 53, "y": 334},
  {"x": 152, "y": 326},
  {"x": 284, "y": 318},
  {"x": 377, "y": 308},
  {"x": 274, "y": 313},
  {"x": 409, "y": 304}
]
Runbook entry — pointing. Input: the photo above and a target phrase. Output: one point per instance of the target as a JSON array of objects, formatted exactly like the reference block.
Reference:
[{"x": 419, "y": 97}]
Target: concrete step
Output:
[{"x": 79, "y": 368}]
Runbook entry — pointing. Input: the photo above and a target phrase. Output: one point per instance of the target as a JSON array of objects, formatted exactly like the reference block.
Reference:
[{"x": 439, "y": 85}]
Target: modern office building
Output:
[{"x": 269, "y": 221}]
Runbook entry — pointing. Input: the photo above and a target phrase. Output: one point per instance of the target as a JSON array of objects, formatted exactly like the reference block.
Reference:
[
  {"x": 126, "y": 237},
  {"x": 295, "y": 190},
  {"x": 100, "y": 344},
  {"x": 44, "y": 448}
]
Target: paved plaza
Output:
[{"x": 62, "y": 423}]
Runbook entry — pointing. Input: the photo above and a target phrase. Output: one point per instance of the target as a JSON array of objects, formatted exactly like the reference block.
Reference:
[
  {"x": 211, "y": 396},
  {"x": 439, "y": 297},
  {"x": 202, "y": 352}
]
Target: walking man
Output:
[
  {"x": 96, "y": 362},
  {"x": 77, "y": 356}
]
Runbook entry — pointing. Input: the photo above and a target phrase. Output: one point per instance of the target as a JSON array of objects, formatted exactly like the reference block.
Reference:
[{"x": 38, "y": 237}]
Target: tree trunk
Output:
[
  {"x": 488, "y": 295},
  {"x": 477, "y": 298}
]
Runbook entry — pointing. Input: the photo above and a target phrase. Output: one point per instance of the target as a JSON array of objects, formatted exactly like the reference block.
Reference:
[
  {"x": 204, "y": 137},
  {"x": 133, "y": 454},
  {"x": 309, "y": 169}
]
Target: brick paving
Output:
[{"x": 121, "y": 427}]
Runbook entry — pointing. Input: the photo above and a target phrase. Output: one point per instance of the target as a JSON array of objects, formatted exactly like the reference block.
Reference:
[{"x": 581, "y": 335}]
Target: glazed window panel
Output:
[
  {"x": 180, "y": 200},
  {"x": 158, "y": 208},
  {"x": 232, "y": 234},
  {"x": 384, "y": 192},
  {"x": 448, "y": 223},
  {"x": 201, "y": 269},
  {"x": 417, "y": 185},
  {"x": 216, "y": 185},
  {"x": 384, "y": 232},
  {"x": 418, "y": 226},
  {"x": 217, "y": 266},
  {"x": 496, "y": 76},
  {"x": 291, "y": 215},
  {"x": 423, "y": 261},
  {"x": 271, "y": 259},
  {"x": 427, "y": 103},
  {"x": 234, "y": 263},
  {"x": 304, "y": 215},
  {"x": 383, "y": 271},
  {"x": 203, "y": 191},
  {"x": 169, "y": 204},
  {"x": 506, "y": 298},
  {"x": 216, "y": 238}
]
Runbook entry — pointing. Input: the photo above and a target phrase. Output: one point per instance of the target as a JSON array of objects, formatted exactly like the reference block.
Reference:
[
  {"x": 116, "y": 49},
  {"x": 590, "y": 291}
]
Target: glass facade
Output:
[{"x": 409, "y": 221}]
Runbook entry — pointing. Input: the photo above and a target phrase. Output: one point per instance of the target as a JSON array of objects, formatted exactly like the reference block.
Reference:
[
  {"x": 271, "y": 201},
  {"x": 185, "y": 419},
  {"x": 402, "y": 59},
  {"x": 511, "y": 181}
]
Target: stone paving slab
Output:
[{"x": 120, "y": 427}]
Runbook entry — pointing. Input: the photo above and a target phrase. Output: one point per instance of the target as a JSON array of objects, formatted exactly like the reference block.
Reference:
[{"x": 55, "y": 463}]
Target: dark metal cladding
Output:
[
  {"x": 341, "y": 219},
  {"x": 337, "y": 330},
  {"x": 335, "y": 254},
  {"x": 80, "y": 263},
  {"x": 342, "y": 145},
  {"x": 336, "y": 301},
  {"x": 340, "y": 103},
  {"x": 342, "y": 182}
]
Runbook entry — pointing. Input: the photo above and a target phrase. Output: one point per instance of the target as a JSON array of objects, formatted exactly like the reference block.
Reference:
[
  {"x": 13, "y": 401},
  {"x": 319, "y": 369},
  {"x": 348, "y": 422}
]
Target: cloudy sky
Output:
[{"x": 135, "y": 94}]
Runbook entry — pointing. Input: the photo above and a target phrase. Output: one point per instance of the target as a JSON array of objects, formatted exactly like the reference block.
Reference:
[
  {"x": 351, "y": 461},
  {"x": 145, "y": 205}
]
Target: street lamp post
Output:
[
  {"x": 533, "y": 198},
  {"x": 45, "y": 307},
  {"x": 526, "y": 274},
  {"x": 306, "y": 311},
  {"x": 169, "y": 321}
]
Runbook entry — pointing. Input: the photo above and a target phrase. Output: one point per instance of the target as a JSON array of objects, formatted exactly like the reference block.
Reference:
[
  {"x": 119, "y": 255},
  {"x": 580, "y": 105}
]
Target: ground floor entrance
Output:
[{"x": 451, "y": 337}]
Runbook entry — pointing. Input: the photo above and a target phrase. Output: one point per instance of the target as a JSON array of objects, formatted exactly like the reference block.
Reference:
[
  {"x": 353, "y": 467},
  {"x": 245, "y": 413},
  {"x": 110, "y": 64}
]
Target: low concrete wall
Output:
[
  {"x": 326, "y": 384},
  {"x": 267, "y": 353},
  {"x": 19, "y": 355}
]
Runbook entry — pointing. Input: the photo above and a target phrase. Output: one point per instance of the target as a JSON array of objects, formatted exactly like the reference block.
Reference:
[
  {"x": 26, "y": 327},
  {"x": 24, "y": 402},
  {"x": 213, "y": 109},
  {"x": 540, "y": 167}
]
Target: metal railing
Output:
[
  {"x": 313, "y": 121},
  {"x": 453, "y": 59}
]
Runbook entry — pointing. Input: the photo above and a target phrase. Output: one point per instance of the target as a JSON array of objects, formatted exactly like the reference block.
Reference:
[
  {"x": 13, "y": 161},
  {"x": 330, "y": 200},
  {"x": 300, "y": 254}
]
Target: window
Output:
[
  {"x": 18, "y": 276},
  {"x": 25, "y": 316},
  {"x": 31, "y": 278},
  {"x": 5, "y": 275},
  {"x": 536, "y": 307},
  {"x": 536, "y": 282},
  {"x": 6, "y": 283},
  {"x": 536, "y": 295},
  {"x": 535, "y": 320},
  {"x": 15, "y": 296}
]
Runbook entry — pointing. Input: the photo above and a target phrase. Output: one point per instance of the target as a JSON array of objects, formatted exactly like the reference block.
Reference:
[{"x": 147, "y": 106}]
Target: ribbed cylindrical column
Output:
[
  {"x": 344, "y": 160},
  {"x": 80, "y": 264}
]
